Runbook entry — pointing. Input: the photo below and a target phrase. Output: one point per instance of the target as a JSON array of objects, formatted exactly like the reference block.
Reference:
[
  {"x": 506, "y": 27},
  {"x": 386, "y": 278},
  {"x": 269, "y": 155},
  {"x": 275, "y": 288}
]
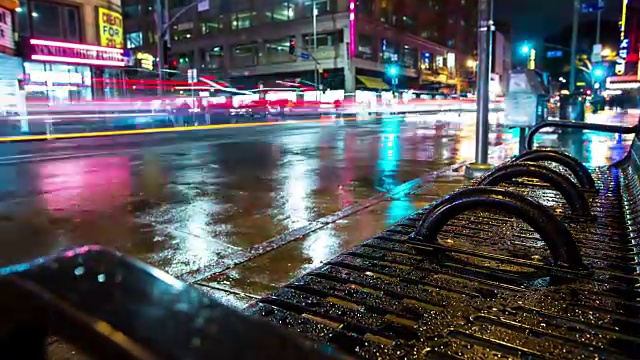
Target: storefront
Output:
[
  {"x": 60, "y": 72},
  {"x": 11, "y": 98}
]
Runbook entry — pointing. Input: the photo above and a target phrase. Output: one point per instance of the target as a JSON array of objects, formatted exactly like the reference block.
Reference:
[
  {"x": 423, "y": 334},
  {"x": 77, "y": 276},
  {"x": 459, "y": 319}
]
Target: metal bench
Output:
[
  {"x": 113, "y": 307},
  {"x": 543, "y": 266}
]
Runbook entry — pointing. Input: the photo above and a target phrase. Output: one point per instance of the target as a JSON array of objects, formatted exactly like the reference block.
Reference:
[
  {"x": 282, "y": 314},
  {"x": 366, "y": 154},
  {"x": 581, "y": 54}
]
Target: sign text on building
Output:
[
  {"x": 110, "y": 28},
  {"x": 72, "y": 53},
  {"x": 6, "y": 29},
  {"x": 623, "y": 50},
  {"x": 146, "y": 60}
]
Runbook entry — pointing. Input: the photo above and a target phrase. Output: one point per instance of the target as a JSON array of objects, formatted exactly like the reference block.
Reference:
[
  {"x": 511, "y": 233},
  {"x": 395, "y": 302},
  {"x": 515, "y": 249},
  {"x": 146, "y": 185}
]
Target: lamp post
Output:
[
  {"x": 314, "y": 15},
  {"x": 574, "y": 45},
  {"x": 485, "y": 34}
]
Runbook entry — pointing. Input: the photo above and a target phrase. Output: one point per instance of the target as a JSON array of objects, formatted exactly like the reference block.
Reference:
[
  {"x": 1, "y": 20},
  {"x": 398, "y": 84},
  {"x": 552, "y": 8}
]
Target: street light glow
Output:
[{"x": 525, "y": 49}]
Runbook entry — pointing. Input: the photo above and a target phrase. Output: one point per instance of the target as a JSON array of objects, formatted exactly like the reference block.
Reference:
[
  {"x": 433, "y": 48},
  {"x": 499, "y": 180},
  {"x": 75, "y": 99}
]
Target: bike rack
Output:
[
  {"x": 554, "y": 233},
  {"x": 575, "y": 199}
]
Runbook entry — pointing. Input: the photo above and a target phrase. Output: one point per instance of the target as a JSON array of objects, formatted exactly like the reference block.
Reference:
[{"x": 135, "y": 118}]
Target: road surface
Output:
[{"x": 238, "y": 211}]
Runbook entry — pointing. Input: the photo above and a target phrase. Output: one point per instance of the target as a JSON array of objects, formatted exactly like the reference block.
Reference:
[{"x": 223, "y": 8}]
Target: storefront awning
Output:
[
  {"x": 10, "y": 4},
  {"x": 373, "y": 82}
]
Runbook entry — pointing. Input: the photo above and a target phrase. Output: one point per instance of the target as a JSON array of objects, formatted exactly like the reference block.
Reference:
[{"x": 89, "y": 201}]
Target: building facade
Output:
[
  {"x": 249, "y": 41},
  {"x": 73, "y": 50}
]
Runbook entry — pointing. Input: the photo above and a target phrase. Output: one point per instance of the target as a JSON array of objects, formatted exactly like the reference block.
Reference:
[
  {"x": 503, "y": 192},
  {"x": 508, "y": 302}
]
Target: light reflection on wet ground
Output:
[{"x": 183, "y": 203}]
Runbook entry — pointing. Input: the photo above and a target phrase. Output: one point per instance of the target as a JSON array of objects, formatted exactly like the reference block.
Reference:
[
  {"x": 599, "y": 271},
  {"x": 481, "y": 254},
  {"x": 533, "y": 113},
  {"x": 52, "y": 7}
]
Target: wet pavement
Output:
[{"x": 241, "y": 211}]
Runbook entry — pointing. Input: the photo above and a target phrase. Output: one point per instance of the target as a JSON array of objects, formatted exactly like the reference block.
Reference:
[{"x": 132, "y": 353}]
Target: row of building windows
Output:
[
  {"x": 47, "y": 20},
  {"x": 276, "y": 51}
]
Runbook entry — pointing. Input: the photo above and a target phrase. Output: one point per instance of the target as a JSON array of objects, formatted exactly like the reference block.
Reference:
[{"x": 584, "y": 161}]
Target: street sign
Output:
[
  {"x": 203, "y": 5},
  {"x": 554, "y": 54},
  {"x": 305, "y": 56},
  {"x": 596, "y": 53},
  {"x": 192, "y": 75},
  {"x": 592, "y": 7}
]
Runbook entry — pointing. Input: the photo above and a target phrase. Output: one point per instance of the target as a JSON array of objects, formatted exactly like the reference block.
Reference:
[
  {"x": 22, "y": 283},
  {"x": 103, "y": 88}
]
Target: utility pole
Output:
[
  {"x": 599, "y": 20},
  {"x": 315, "y": 44},
  {"x": 574, "y": 45},
  {"x": 160, "y": 42},
  {"x": 485, "y": 32}
]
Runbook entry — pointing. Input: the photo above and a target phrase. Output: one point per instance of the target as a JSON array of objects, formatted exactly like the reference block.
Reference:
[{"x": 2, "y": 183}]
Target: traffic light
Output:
[
  {"x": 599, "y": 72},
  {"x": 393, "y": 71},
  {"x": 292, "y": 46},
  {"x": 166, "y": 49}
]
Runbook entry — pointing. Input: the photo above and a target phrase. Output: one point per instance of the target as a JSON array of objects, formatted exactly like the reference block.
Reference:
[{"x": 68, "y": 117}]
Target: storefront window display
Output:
[{"x": 57, "y": 83}]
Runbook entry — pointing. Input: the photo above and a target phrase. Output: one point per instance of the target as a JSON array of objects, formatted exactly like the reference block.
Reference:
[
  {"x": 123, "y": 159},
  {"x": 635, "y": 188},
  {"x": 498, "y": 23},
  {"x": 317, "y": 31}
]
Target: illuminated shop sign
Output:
[
  {"x": 146, "y": 60},
  {"x": 6, "y": 29},
  {"x": 72, "y": 53},
  {"x": 623, "y": 50},
  {"x": 111, "y": 28}
]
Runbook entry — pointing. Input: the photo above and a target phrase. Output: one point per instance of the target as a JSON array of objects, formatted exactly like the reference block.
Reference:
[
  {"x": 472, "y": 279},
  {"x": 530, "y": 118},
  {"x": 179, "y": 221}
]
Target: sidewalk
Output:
[{"x": 257, "y": 272}]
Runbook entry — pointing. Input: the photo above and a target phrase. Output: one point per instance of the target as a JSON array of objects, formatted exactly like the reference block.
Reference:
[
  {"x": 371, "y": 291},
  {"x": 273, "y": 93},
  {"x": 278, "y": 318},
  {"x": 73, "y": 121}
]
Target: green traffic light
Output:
[
  {"x": 599, "y": 72},
  {"x": 393, "y": 70}
]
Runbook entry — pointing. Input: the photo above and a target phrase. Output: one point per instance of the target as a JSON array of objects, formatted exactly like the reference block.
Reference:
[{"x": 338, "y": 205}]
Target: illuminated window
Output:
[
  {"x": 408, "y": 22},
  {"x": 409, "y": 57},
  {"x": 280, "y": 46},
  {"x": 242, "y": 20},
  {"x": 208, "y": 26},
  {"x": 182, "y": 31},
  {"x": 389, "y": 51},
  {"x": 245, "y": 55},
  {"x": 283, "y": 11},
  {"x": 329, "y": 39},
  {"x": 214, "y": 58},
  {"x": 53, "y": 21},
  {"x": 322, "y": 7}
]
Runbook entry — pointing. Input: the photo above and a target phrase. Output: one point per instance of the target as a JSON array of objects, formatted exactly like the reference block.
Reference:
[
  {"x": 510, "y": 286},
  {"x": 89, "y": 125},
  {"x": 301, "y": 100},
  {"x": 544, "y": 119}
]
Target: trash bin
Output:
[{"x": 572, "y": 107}]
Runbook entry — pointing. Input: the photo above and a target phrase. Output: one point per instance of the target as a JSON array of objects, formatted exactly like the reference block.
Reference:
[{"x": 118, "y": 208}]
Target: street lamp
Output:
[{"x": 525, "y": 49}]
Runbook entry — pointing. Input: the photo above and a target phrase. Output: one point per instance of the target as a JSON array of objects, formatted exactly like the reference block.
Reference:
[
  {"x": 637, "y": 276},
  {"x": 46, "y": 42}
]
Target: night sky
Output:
[{"x": 533, "y": 20}]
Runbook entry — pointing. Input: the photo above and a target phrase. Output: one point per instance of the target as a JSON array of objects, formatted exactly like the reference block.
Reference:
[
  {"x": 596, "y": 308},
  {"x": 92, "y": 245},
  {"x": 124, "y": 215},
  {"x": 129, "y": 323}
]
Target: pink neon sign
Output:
[
  {"x": 352, "y": 28},
  {"x": 64, "y": 52}
]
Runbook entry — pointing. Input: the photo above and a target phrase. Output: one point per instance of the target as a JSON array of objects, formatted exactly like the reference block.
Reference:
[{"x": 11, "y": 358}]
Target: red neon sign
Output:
[{"x": 72, "y": 53}]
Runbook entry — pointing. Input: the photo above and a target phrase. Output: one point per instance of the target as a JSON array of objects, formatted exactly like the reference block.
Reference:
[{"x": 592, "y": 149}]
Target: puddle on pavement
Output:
[{"x": 264, "y": 274}]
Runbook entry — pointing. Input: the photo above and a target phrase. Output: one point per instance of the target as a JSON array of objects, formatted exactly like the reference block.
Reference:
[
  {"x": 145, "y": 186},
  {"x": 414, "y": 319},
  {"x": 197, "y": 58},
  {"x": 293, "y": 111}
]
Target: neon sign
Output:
[
  {"x": 146, "y": 60},
  {"x": 72, "y": 53},
  {"x": 352, "y": 28},
  {"x": 623, "y": 50}
]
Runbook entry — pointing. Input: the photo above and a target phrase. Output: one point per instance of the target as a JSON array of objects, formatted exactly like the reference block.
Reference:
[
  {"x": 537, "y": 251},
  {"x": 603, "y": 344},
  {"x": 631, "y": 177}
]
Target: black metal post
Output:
[{"x": 485, "y": 30}]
